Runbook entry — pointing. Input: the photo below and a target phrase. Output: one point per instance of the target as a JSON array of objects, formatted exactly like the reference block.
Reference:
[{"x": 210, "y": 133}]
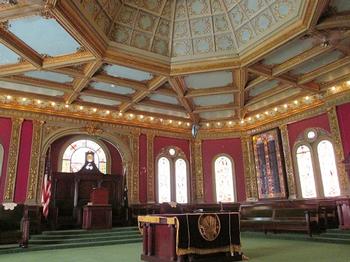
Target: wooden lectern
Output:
[
  {"x": 343, "y": 205},
  {"x": 97, "y": 213}
]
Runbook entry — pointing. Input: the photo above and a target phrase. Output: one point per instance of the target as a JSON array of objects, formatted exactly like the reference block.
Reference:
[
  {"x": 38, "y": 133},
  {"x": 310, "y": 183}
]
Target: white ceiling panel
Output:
[
  {"x": 164, "y": 99},
  {"x": 30, "y": 89},
  {"x": 98, "y": 100},
  {"x": 121, "y": 90},
  {"x": 128, "y": 73},
  {"x": 333, "y": 75},
  {"x": 51, "y": 76},
  {"x": 7, "y": 56},
  {"x": 45, "y": 36},
  {"x": 341, "y": 5},
  {"x": 263, "y": 87},
  {"x": 217, "y": 114},
  {"x": 207, "y": 80},
  {"x": 213, "y": 100},
  {"x": 160, "y": 111}
]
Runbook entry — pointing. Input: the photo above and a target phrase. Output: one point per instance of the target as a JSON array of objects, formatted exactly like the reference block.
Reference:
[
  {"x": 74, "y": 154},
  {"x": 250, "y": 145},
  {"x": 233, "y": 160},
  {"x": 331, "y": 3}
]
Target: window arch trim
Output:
[
  {"x": 2, "y": 153},
  {"x": 85, "y": 137},
  {"x": 233, "y": 176}
]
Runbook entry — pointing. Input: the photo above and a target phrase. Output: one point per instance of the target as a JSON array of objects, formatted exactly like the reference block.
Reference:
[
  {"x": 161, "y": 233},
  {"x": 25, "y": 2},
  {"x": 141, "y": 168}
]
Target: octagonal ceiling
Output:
[{"x": 188, "y": 29}]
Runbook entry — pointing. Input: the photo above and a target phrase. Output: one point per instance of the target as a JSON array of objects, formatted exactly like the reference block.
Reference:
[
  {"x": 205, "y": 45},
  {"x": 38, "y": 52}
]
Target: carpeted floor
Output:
[{"x": 258, "y": 250}]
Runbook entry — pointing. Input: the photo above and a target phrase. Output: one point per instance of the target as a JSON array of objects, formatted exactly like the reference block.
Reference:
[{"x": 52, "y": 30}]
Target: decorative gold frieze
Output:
[
  {"x": 249, "y": 170},
  {"x": 13, "y": 159},
  {"x": 288, "y": 162},
  {"x": 150, "y": 168},
  {"x": 197, "y": 169},
  {"x": 339, "y": 152},
  {"x": 33, "y": 179}
]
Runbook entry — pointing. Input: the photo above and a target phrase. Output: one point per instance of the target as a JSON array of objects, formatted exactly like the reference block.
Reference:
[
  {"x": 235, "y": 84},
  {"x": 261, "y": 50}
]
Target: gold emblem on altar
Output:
[{"x": 209, "y": 226}]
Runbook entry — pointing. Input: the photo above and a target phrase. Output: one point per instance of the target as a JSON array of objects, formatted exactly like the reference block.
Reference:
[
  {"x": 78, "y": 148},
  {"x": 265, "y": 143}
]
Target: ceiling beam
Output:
[
  {"x": 272, "y": 92},
  {"x": 120, "y": 82},
  {"x": 322, "y": 5},
  {"x": 80, "y": 84},
  {"x": 38, "y": 83},
  {"x": 179, "y": 86},
  {"x": 4, "y": 91},
  {"x": 335, "y": 22},
  {"x": 214, "y": 108},
  {"x": 68, "y": 71},
  {"x": 210, "y": 91},
  {"x": 266, "y": 72},
  {"x": 28, "y": 8},
  {"x": 240, "y": 78},
  {"x": 152, "y": 85},
  {"x": 166, "y": 106},
  {"x": 251, "y": 84},
  {"x": 105, "y": 95},
  {"x": 20, "y": 48}
]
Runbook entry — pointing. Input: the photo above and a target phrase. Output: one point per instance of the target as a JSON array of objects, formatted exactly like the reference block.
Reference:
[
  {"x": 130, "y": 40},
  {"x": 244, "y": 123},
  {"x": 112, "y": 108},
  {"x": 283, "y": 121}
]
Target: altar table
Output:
[{"x": 191, "y": 237}]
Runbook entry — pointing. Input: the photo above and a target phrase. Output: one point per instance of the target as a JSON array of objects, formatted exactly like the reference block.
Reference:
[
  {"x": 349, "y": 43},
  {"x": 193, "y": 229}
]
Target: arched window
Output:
[
  {"x": 1, "y": 158},
  {"x": 316, "y": 165},
  {"x": 74, "y": 155},
  {"x": 172, "y": 176},
  {"x": 224, "y": 179}
]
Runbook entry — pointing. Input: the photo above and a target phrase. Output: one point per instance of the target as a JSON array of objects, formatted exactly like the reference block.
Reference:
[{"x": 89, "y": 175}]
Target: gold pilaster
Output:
[
  {"x": 249, "y": 169},
  {"x": 11, "y": 173},
  {"x": 339, "y": 152},
  {"x": 288, "y": 162},
  {"x": 134, "y": 178},
  {"x": 33, "y": 179},
  {"x": 197, "y": 170},
  {"x": 150, "y": 167}
]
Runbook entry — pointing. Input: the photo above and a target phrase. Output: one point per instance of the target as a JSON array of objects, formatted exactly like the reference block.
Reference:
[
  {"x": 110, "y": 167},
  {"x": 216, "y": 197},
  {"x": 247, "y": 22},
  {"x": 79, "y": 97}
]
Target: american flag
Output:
[{"x": 46, "y": 186}]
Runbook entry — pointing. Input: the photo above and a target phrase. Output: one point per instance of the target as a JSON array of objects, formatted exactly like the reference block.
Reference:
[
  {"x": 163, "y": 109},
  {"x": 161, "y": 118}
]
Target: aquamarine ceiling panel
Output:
[
  {"x": 207, "y": 80},
  {"x": 164, "y": 99},
  {"x": 263, "y": 87},
  {"x": 217, "y": 114},
  {"x": 341, "y": 5},
  {"x": 7, "y": 56},
  {"x": 317, "y": 62},
  {"x": 121, "y": 90},
  {"x": 213, "y": 100},
  {"x": 45, "y": 36},
  {"x": 333, "y": 75},
  {"x": 97, "y": 100},
  {"x": 125, "y": 72},
  {"x": 50, "y": 76},
  {"x": 30, "y": 89},
  {"x": 151, "y": 109},
  {"x": 288, "y": 51}
]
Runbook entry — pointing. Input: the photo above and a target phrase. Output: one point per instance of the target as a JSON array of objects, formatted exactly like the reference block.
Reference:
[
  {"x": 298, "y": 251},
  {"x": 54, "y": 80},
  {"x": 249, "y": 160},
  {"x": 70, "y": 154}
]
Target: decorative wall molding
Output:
[
  {"x": 34, "y": 168},
  {"x": 249, "y": 169},
  {"x": 150, "y": 168},
  {"x": 288, "y": 162},
  {"x": 197, "y": 169},
  {"x": 339, "y": 152},
  {"x": 11, "y": 173},
  {"x": 133, "y": 185}
]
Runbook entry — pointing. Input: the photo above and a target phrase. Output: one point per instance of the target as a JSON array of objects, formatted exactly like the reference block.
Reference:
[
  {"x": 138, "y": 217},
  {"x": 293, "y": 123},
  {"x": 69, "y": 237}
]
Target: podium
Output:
[
  {"x": 202, "y": 237},
  {"x": 97, "y": 214}
]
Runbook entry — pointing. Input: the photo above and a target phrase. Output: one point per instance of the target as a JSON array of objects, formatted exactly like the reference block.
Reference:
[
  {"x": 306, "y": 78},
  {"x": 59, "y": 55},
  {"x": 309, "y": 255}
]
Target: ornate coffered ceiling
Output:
[{"x": 219, "y": 63}]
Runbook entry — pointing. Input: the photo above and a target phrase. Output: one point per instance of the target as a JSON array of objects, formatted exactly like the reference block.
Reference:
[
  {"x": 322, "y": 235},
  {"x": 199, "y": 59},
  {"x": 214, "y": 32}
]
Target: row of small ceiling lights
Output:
[
  {"x": 278, "y": 109},
  {"x": 130, "y": 116}
]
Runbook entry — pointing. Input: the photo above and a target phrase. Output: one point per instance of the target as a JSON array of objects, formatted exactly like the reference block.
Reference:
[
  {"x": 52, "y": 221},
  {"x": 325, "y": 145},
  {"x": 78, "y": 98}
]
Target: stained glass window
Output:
[
  {"x": 172, "y": 176},
  {"x": 181, "y": 180},
  {"x": 328, "y": 169},
  {"x": 224, "y": 179},
  {"x": 306, "y": 172},
  {"x": 164, "y": 186},
  {"x": 74, "y": 156}
]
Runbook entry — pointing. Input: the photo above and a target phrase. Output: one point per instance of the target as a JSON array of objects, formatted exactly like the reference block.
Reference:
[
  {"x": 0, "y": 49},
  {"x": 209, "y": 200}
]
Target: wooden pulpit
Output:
[
  {"x": 97, "y": 214},
  {"x": 343, "y": 205}
]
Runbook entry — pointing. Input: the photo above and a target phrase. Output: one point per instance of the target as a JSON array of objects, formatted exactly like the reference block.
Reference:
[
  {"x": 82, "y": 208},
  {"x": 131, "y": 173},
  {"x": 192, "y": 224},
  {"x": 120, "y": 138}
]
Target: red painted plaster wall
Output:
[
  {"x": 5, "y": 138},
  {"x": 23, "y": 161},
  {"x": 295, "y": 129},
  {"x": 143, "y": 168},
  {"x": 231, "y": 147},
  {"x": 343, "y": 113}
]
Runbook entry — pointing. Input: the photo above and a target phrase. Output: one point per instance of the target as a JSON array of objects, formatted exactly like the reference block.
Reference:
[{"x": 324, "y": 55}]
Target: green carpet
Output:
[{"x": 257, "y": 249}]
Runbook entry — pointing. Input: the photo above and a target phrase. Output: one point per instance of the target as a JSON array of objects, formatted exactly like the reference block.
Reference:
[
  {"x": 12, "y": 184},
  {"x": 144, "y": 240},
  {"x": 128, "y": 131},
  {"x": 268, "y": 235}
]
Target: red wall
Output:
[
  {"x": 295, "y": 129},
  {"x": 117, "y": 162},
  {"x": 23, "y": 161},
  {"x": 232, "y": 147},
  {"x": 143, "y": 168},
  {"x": 161, "y": 142},
  {"x": 343, "y": 113},
  {"x": 5, "y": 137}
]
